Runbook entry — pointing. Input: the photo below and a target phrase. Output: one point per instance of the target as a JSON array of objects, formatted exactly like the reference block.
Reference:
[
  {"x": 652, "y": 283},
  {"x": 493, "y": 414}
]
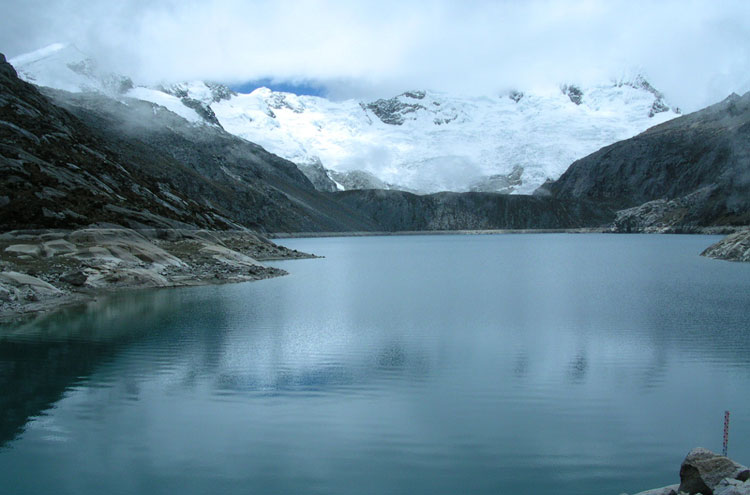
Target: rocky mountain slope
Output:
[
  {"x": 85, "y": 157},
  {"x": 404, "y": 211},
  {"x": 689, "y": 172},
  {"x": 420, "y": 141},
  {"x": 137, "y": 164},
  {"x": 56, "y": 173}
]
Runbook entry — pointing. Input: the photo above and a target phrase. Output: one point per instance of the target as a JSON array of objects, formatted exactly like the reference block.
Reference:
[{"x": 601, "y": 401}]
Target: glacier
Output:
[{"x": 422, "y": 141}]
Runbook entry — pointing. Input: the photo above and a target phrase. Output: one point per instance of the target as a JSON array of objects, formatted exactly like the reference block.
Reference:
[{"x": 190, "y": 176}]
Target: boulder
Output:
[
  {"x": 22, "y": 280},
  {"x": 7, "y": 294},
  {"x": 57, "y": 247},
  {"x": 703, "y": 470},
  {"x": 74, "y": 277},
  {"x": 32, "y": 250}
]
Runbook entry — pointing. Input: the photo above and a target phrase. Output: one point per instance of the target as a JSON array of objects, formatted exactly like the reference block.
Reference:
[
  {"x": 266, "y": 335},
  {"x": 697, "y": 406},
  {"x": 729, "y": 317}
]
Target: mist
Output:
[{"x": 695, "y": 52}]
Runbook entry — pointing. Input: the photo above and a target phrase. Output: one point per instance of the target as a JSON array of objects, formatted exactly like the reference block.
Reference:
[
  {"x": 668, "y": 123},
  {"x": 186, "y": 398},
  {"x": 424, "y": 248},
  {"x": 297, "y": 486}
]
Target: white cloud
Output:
[{"x": 697, "y": 52}]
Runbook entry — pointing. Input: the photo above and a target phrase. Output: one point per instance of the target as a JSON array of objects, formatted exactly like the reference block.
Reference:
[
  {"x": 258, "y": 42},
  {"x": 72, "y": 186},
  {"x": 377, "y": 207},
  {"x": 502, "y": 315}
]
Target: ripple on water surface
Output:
[{"x": 444, "y": 364}]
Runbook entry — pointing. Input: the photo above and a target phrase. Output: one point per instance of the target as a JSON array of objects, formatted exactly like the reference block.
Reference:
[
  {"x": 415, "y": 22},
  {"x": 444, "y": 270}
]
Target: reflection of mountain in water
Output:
[
  {"x": 182, "y": 330},
  {"x": 35, "y": 375},
  {"x": 44, "y": 356}
]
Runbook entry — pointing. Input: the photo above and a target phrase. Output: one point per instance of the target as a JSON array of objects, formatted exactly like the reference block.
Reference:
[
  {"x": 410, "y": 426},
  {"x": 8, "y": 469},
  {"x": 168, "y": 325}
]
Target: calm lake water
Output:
[{"x": 512, "y": 364}]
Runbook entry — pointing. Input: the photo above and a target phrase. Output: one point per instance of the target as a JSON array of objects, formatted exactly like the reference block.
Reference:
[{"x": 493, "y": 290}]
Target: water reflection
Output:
[
  {"x": 578, "y": 367},
  {"x": 45, "y": 355},
  {"x": 33, "y": 376},
  {"x": 350, "y": 373}
]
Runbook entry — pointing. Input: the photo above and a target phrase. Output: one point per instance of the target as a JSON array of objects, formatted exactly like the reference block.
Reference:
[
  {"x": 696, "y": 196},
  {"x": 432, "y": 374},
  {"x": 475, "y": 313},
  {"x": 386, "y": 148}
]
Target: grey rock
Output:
[
  {"x": 358, "y": 179},
  {"x": 33, "y": 250},
  {"x": 703, "y": 470},
  {"x": 666, "y": 490},
  {"x": 415, "y": 94},
  {"x": 58, "y": 247},
  {"x": 573, "y": 92},
  {"x": 402, "y": 211},
  {"x": 516, "y": 95},
  {"x": 22, "y": 280},
  {"x": 202, "y": 109},
  {"x": 74, "y": 277},
  {"x": 319, "y": 176},
  {"x": 732, "y": 487},
  {"x": 661, "y": 215},
  {"x": 393, "y": 111},
  {"x": 501, "y": 183},
  {"x": 734, "y": 247},
  {"x": 6, "y": 294}
]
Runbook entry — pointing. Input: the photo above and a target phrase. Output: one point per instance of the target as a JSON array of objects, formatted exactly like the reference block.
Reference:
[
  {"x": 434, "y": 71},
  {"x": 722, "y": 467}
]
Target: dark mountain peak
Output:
[
  {"x": 705, "y": 150},
  {"x": 6, "y": 69},
  {"x": 415, "y": 94},
  {"x": 393, "y": 111},
  {"x": 574, "y": 92}
]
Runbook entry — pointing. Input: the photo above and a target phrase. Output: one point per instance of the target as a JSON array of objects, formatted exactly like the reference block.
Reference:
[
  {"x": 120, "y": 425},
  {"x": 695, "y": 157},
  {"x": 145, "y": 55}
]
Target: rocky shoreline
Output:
[
  {"x": 45, "y": 269},
  {"x": 707, "y": 473},
  {"x": 734, "y": 247},
  {"x": 610, "y": 229}
]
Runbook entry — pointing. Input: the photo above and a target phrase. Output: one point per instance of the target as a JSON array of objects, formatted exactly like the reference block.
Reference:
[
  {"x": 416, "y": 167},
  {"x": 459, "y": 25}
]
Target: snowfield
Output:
[{"x": 423, "y": 141}]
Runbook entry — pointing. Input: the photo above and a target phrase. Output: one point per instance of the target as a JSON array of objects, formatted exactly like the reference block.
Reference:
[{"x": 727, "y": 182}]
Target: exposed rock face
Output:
[
  {"x": 502, "y": 183},
  {"x": 516, "y": 95},
  {"x": 703, "y": 470},
  {"x": 394, "y": 111},
  {"x": 659, "y": 104},
  {"x": 319, "y": 176},
  {"x": 139, "y": 165},
  {"x": 358, "y": 179},
  {"x": 734, "y": 247},
  {"x": 661, "y": 215},
  {"x": 699, "y": 162},
  {"x": 55, "y": 173},
  {"x": 398, "y": 210},
  {"x": 573, "y": 92}
]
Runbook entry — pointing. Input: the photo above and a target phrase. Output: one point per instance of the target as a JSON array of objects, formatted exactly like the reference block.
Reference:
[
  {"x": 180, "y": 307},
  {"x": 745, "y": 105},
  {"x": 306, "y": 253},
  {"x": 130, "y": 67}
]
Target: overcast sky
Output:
[{"x": 697, "y": 52}]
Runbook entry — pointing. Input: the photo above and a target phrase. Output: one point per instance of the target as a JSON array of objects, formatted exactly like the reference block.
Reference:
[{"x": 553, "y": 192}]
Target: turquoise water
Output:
[{"x": 540, "y": 364}]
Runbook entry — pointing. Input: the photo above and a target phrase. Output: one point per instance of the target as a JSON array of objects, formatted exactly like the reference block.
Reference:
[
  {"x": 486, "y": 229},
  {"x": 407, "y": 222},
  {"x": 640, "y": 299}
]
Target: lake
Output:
[{"x": 540, "y": 364}]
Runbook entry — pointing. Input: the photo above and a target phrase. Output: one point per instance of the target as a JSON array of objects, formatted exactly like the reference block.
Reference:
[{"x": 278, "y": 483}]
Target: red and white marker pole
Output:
[{"x": 726, "y": 432}]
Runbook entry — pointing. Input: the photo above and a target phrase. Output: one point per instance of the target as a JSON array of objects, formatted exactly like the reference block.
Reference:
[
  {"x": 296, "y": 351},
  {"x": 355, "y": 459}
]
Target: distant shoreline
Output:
[{"x": 717, "y": 230}]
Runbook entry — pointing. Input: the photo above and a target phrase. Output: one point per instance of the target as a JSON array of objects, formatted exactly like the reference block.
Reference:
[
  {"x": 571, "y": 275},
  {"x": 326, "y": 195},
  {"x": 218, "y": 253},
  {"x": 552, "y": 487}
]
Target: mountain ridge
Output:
[
  {"x": 144, "y": 166},
  {"x": 420, "y": 141},
  {"x": 690, "y": 171}
]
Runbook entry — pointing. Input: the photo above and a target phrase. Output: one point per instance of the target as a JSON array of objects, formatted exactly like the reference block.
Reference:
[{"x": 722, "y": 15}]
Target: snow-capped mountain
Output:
[
  {"x": 62, "y": 66},
  {"x": 424, "y": 141}
]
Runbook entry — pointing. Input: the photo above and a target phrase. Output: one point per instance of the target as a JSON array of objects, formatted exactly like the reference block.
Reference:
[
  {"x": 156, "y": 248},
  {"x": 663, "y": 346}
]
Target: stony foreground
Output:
[
  {"x": 40, "y": 270},
  {"x": 708, "y": 473}
]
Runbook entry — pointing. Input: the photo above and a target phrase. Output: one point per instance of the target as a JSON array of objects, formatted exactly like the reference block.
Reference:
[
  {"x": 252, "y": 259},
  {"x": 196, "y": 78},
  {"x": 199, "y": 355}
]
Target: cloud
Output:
[{"x": 697, "y": 52}]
